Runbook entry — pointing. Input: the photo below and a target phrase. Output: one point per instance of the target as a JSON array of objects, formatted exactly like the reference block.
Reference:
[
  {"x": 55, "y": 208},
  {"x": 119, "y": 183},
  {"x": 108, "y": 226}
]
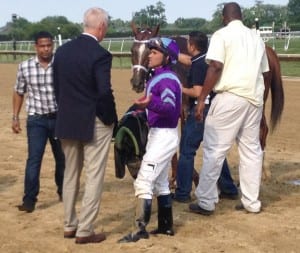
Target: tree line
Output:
[{"x": 19, "y": 28}]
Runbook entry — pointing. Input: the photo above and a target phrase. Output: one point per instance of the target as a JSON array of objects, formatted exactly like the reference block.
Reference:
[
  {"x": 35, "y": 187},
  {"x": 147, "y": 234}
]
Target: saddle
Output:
[{"x": 130, "y": 142}]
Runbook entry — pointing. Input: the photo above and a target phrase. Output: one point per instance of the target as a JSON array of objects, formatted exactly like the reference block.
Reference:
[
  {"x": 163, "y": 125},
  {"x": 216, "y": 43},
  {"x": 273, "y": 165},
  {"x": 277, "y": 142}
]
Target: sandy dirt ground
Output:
[{"x": 276, "y": 229}]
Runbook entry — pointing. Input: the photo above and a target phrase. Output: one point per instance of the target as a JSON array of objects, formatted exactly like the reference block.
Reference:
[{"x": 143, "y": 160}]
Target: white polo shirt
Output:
[{"x": 243, "y": 55}]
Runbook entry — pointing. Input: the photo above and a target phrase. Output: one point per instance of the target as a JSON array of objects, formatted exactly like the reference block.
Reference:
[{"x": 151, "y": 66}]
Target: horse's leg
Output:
[
  {"x": 195, "y": 177},
  {"x": 264, "y": 129},
  {"x": 263, "y": 132},
  {"x": 174, "y": 163},
  {"x": 273, "y": 82},
  {"x": 263, "y": 137}
]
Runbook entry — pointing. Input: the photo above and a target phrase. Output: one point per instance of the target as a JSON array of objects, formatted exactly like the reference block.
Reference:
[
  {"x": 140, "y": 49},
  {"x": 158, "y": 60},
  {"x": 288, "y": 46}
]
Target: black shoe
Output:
[
  {"x": 195, "y": 208},
  {"x": 181, "y": 200},
  {"x": 169, "y": 232},
  {"x": 29, "y": 208},
  {"x": 134, "y": 237},
  {"x": 224, "y": 195}
]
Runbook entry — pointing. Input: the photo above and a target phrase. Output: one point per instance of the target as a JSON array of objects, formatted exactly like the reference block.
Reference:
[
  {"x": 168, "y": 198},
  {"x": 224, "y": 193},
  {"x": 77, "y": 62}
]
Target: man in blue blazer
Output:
[{"x": 85, "y": 120}]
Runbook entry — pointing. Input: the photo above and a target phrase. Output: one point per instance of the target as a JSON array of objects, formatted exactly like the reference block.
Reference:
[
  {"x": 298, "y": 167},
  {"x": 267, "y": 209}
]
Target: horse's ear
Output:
[
  {"x": 134, "y": 28},
  {"x": 156, "y": 30}
]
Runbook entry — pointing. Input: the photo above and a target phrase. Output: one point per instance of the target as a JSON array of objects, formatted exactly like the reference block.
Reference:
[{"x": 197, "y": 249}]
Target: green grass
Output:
[
  {"x": 287, "y": 68},
  {"x": 290, "y": 68},
  {"x": 293, "y": 48},
  {"x": 117, "y": 46},
  {"x": 121, "y": 62}
]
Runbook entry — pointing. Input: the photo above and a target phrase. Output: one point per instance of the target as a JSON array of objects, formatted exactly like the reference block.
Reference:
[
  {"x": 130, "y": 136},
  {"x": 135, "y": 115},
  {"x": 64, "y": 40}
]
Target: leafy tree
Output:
[
  {"x": 54, "y": 25},
  {"x": 293, "y": 10},
  {"x": 60, "y": 24},
  {"x": 267, "y": 14},
  {"x": 117, "y": 25},
  {"x": 190, "y": 22},
  {"x": 151, "y": 16},
  {"x": 19, "y": 27},
  {"x": 216, "y": 21}
]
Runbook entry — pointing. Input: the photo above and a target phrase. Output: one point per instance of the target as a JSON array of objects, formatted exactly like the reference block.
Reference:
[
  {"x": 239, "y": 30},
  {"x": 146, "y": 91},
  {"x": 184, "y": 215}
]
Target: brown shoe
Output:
[
  {"x": 70, "y": 234},
  {"x": 94, "y": 238}
]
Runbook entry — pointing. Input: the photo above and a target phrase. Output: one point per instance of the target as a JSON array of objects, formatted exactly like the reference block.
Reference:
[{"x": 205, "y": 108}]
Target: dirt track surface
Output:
[{"x": 276, "y": 229}]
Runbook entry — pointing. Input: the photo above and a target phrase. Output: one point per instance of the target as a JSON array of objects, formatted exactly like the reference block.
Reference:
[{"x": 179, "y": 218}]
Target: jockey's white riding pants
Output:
[{"x": 153, "y": 175}]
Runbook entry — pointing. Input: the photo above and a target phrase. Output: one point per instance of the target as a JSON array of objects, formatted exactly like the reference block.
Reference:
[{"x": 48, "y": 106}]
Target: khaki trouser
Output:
[
  {"x": 93, "y": 157},
  {"x": 231, "y": 118}
]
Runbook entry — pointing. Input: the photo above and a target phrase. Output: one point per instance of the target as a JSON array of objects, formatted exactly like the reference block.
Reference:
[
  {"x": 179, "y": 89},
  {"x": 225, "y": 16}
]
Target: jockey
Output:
[{"x": 162, "y": 102}]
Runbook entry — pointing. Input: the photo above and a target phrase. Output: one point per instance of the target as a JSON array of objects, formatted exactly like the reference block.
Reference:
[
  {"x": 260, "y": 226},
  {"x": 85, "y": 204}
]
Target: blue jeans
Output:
[
  {"x": 40, "y": 128},
  {"x": 191, "y": 139}
]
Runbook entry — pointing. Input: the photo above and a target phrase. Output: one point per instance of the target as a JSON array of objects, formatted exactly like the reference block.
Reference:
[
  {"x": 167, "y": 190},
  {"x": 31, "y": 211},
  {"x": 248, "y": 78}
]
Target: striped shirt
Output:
[{"x": 37, "y": 82}]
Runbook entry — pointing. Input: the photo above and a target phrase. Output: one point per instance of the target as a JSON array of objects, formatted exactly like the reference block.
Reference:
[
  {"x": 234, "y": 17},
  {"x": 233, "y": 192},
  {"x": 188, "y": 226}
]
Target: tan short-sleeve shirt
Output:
[{"x": 244, "y": 59}]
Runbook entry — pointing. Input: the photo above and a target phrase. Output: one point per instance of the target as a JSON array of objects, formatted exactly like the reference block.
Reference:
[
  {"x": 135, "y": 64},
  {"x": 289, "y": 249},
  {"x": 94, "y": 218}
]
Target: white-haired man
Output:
[{"x": 85, "y": 121}]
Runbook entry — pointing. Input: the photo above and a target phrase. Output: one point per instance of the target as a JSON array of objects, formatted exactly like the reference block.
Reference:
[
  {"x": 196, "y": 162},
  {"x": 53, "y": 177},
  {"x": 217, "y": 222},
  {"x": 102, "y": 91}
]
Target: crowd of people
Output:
[{"x": 70, "y": 102}]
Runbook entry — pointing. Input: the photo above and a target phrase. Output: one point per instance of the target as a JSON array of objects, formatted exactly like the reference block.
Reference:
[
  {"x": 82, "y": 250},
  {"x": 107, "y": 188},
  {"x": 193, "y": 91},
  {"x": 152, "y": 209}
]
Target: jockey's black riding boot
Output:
[
  {"x": 164, "y": 216},
  {"x": 142, "y": 218}
]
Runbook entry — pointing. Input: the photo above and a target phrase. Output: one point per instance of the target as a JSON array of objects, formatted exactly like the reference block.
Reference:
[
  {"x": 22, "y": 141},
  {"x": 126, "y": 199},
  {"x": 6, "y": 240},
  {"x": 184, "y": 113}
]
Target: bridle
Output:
[
  {"x": 139, "y": 56},
  {"x": 140, "y": 66}
]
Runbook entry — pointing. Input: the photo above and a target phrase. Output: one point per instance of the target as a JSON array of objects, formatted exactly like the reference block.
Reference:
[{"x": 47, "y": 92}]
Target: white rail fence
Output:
[
  {"x": 120, "y": 47},
  {"x": 117, "y": 45}
]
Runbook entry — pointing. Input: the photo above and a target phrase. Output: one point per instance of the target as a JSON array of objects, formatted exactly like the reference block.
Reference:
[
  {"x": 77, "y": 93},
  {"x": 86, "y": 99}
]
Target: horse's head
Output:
[{"x": 139, "y": 56}]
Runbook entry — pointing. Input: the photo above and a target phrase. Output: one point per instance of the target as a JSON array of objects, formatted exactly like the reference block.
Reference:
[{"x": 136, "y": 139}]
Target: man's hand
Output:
[
  {"x": 199, "y": 110},
  {"x": 16, "y": 125}
]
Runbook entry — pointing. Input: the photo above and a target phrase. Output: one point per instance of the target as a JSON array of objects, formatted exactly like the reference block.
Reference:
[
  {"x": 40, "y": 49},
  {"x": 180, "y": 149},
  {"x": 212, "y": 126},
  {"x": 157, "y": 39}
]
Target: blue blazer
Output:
[{"x": 82, "y": 84}]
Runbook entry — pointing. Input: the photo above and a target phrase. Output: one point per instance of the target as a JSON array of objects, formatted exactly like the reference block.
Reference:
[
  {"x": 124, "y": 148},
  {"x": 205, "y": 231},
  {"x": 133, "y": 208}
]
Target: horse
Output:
[{"x": 273, "y": 83}]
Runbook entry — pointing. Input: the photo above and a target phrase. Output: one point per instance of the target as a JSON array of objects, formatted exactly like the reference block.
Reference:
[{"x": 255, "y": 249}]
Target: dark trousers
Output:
[{"x": 40, "y": 129}]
